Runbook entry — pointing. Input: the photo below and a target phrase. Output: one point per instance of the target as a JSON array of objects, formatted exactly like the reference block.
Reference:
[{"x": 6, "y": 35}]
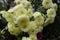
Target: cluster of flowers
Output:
[
  {"x": 23, "y": 18},
  {"x": 51, "y": 11}
]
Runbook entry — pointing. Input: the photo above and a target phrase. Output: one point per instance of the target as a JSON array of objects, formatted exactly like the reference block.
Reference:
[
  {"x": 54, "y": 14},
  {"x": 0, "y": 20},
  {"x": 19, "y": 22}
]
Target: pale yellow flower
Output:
[
  {"x": 11, "y": 10},
  {"x": 4, "y": 13},
  {"x": 7, "y": 15},
  {"x": 39, "y": 19},
  {"x": 51, "y": 12},
  {"x": 32, "y": 27},
  {"x": 13, "y": 29},
  {"x": 29, "y": 13},
  {"x": 24, "y": 19},
  {"x": 35, "y": 31},
  {"x": 35, "y": 28},
  {"x": 47, "y": 3},
  {"x": 54, "y": 6},
  {"x": 25, "y": 27},
  {"x": 28, "y": 27},
  {"x": 26, "y": 38},
  {"x": 36, "y": 14},
  {"x": 38, "y": 29},
  {"x": 19, "y": 10},
  {"x": 26, "y": 4},
  {"x": 48, "y": 21},
  {"x": 33, "y": 37},
  {"x": 23, "y": 22}
]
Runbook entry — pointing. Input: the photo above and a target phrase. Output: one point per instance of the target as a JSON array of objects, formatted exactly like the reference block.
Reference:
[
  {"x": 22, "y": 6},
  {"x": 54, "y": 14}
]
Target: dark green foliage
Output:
[
  {"x": 41, "y": 9},
  {"x": 7, "y": 36},
  {"x": 32, "y": 18},
  {"x": 3, "y": 23},
  {"x": 1, "y": 36},
  {"x": 3, "y": 5},
  {"x": 36, "y": 4}
]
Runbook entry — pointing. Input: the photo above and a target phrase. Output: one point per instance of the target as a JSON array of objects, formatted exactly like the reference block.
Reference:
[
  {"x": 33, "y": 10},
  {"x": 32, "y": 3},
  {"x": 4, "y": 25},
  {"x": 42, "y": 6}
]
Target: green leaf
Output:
[{"x": 1, "y": 36}]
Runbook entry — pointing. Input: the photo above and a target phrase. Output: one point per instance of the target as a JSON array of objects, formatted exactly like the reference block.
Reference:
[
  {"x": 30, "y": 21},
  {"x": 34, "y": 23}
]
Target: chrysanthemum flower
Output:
[
  {"x": 26, "y": 38},
  {"x": 54, "y": 6},
  {"x": 51, "y": 12},
  {"x": 13, "y": 29},
  {"x": 33, "y": 37},
  {"x": 20, "y": 10},
  {"x": 29, "y": 13},
  {"x": 7, "y": 15},
  {"x": 39, "y": 19},
  {"x": 24, "y": 19},
  {"x": 26, "y": 4},
  {"x": 47, "y": 3},
  {"x": 48, "y": 21}
]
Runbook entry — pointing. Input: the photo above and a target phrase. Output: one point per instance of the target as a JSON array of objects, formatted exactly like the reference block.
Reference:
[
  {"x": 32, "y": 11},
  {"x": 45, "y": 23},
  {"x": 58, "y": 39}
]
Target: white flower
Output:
[
  {"x": 32, "y": 27},
  {"x": 36, "y": 14},
  {"x": 29, "y": 12},
  {"x": 25, "y": 27},
  {"x": 39, "y": 19},
  {"x": 54, "y": 6},
  {"x": 28, "y": 27},
  {"x": 23, "y": 22},
  {"x": 26, "y": 38},
  {"x": 19, "y": 10},
  {"x": 26, "y": 4},
  {"x": 4, "y": 13},
  {"x": 36, "y": 30},
  {"x": 11, "y": 10},
  {"x": 7, "y": 15},
  {"x": 48, "y": 21},
  {"x": 47, "y": 3},
  {"x": 24, "y": 19},
  {"x": 13, "y": 29},
  {"x": 51, "y": 12},
  {"x": 33, "y": 37}
]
